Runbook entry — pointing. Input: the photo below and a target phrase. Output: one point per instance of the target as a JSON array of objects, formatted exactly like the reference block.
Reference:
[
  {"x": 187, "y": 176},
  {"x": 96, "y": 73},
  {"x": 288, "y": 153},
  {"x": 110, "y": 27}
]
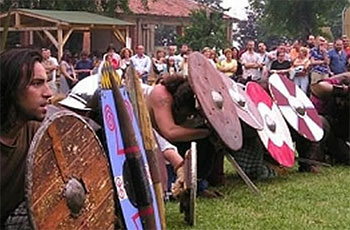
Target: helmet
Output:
[{"x": 82, "y": 95}]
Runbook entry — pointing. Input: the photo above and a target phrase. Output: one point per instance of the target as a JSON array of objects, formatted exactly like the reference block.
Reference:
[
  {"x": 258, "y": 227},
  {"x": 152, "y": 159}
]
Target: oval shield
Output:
[
  {"x": 214, "y": 99},
  {"x": 296, "y": 107},
  {"x": 275, "y": 136},
  {"x": 246, "y": 109},
  {"x": 68, "y": 181}
]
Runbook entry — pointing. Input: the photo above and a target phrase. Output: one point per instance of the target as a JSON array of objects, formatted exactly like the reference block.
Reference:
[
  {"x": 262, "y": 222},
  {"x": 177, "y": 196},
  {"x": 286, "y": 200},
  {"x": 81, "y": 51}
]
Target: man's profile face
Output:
[{"x": 33, "y": 99}]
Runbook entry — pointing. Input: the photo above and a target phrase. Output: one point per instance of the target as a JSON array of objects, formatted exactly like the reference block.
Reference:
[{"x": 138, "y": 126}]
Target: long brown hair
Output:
[{"x": 17, "y": 69}]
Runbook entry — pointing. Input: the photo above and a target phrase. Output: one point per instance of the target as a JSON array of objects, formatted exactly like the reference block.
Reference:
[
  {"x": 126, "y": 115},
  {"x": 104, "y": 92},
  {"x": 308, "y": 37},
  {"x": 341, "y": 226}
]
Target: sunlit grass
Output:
[{"x": 296, "y": 201}]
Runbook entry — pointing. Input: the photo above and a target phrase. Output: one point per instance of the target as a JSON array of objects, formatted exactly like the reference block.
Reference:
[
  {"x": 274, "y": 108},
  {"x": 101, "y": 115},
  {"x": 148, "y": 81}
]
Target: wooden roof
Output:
[{"x": 70, "y": 17}]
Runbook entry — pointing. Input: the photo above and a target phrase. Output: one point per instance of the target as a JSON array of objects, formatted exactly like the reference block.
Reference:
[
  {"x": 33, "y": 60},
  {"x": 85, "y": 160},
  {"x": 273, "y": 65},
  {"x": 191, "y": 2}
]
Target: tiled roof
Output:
[{"x": 170, "y": 8}]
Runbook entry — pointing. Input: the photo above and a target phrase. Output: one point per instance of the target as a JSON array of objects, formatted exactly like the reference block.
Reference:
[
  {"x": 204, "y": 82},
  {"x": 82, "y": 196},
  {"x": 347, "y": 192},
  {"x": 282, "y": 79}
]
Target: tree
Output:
[
  {"x": 106, "y": 7},
  {"x": 254, "y": 29},
  {"x": 297, "y": 18},
  {"x": 206, "y": 29},
  {"x": 213, "y": 4}
]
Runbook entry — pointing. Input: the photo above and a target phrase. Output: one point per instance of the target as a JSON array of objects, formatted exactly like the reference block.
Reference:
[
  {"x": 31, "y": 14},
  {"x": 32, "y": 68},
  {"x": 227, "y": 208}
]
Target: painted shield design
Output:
[
  {"x": 214, "y": 99},
  {"x": 68, "y": 181},
  {"x": 296, "y": 107},
  {"x": 246, "y": 109},
  {"x": 275, "y": 136}
]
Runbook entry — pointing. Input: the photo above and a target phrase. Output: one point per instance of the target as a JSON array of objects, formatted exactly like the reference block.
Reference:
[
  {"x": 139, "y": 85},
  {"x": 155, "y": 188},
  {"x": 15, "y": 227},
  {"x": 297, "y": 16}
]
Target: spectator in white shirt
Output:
[
  {"x": 142, "y": 63},
  {"x": 251, "y": 63}
]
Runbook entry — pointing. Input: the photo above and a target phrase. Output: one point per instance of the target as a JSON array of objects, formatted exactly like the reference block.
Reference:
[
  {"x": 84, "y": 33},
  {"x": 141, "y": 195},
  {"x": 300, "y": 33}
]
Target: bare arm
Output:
[
  {"x": 161, "y": 101},
  {"x": 324, "y": 90},
  {"x": 65, "y": 73}
]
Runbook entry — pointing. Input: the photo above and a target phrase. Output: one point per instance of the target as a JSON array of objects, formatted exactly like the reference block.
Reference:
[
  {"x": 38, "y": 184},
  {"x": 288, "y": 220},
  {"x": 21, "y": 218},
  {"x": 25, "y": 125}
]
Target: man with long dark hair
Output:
[
  {"x": 23, "y": 101},
  {"x": 173, "y": 113}
]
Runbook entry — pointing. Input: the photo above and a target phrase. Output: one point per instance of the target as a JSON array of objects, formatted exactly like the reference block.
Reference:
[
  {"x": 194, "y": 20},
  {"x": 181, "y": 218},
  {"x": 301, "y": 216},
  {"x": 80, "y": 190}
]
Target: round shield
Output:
[
  {"x": 214, "y": 99},
  {"x": 296, "y": 107},
  {"x": 68, "y": 181},
  {"x": 275, "y": 135},
  {"x": 188, "y": 198},
  {"x": 246, "y": 109}
]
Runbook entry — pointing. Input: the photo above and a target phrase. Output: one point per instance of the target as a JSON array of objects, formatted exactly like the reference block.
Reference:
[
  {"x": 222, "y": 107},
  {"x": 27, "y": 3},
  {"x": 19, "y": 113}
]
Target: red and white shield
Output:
[
  {"x": 275, "y": 134},
  {"x": 296, "y": 107},
  {"x": 246, "y": 109}
]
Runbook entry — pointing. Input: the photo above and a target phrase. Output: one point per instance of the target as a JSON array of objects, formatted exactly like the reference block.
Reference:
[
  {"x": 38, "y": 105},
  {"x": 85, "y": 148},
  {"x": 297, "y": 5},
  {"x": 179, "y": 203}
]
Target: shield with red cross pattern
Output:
[
  {"x": 275, "y": 135},
  {"x": 296, "y": 107}
]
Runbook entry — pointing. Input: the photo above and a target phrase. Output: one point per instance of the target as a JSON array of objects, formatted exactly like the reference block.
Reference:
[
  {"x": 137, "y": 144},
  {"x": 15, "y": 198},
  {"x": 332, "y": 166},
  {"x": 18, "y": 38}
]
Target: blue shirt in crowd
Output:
[
  {"x": 84, "y": 64},
  {"x": 337, "y": 61},
  {"x": 318, "y": 56}
]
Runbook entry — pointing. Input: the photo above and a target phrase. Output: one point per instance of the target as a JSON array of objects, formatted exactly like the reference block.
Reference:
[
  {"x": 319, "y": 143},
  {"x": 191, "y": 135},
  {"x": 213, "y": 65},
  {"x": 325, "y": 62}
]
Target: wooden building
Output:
[{"x": 36, "y": 26}]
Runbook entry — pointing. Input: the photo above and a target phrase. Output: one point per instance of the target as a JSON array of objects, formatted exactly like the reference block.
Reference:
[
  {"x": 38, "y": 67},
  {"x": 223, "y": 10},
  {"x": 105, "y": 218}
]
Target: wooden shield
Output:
[
  {"x": 188, "y": 199},
  {"x": 296, "y": 107},
  {"x": 275, "y": 136},
  {"x": 246, "y": 109},
  {"x": 68, "y": 181},
  {"x": 214, "y": 99}
]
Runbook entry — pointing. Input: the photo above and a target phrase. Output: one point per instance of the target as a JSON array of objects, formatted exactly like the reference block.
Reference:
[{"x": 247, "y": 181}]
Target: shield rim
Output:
[{"x": 193, "y": 192}]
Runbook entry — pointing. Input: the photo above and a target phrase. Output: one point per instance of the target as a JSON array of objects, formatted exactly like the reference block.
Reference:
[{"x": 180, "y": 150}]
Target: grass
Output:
[{"x": 296, "y": 201}]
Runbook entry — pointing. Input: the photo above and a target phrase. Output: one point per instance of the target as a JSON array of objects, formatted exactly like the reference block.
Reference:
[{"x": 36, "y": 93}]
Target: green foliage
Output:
[
  {"x": 106, "y": 7},
  {"x": 297, "y": 18},
  {"x": 206, "y": 29},
  {"x": 214, "y": 4},
  {"x": 297, "y": 201}
]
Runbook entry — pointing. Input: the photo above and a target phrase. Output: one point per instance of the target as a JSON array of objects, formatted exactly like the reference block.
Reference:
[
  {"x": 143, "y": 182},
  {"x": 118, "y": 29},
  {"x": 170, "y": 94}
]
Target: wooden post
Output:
[
  {"x": 60, "y": 43},
  {"x": 17, "y": 20},
  {"x": 31, "y": 37},
  {"x": 87, "y": 41},
  {"x": 152, "y": 36}
]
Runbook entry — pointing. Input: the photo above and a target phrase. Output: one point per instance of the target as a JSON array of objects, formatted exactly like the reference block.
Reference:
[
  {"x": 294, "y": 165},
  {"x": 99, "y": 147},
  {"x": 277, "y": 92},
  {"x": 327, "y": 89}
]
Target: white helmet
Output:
[{"x": 82, "y": 94}]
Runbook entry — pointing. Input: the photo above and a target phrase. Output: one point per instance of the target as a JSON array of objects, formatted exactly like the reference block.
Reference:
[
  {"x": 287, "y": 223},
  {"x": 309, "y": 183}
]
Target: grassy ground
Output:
[{"x": 296, "y": 201}]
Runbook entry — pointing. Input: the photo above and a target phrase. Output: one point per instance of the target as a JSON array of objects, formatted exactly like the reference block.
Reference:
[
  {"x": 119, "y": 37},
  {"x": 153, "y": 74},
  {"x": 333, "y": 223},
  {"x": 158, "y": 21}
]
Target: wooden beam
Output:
[
  {"x": 40, "y": 36},
  {"x": 29, "y": 28},
  {"x": 66, "y": 37},
  {"x": 117, "y": 36},
  {"x": 52, "y": 38},
  {"x": 116, "y": 30},
  {"x": 60, "y": 43},
  {"x": 4, "y": 15}
]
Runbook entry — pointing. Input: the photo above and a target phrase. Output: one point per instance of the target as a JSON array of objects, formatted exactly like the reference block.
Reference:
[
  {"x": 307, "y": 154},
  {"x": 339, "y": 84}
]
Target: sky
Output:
[{"x": 237, "y": 8}]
